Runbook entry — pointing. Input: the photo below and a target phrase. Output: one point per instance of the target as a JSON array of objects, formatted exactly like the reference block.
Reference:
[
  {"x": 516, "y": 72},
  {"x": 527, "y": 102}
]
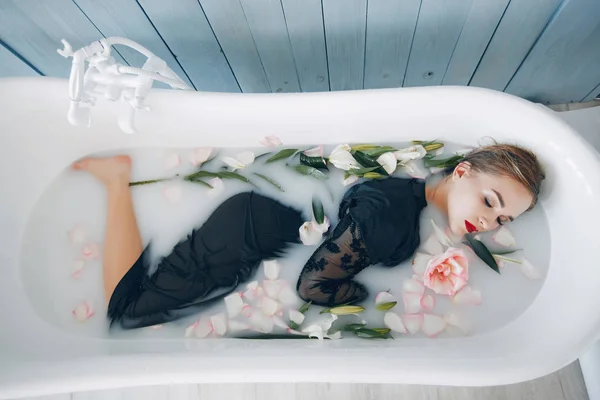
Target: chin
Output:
[{"x": 457, "y": 229}]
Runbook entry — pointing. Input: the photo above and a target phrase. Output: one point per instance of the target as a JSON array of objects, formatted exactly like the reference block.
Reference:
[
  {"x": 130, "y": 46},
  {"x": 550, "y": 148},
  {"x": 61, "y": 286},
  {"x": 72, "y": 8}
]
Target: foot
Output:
[{"x": 110, "y": 170}]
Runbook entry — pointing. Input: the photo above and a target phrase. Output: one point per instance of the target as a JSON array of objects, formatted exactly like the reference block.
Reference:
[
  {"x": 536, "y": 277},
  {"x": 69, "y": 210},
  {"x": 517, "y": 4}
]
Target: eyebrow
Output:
[{"x": 501, "y": 200}]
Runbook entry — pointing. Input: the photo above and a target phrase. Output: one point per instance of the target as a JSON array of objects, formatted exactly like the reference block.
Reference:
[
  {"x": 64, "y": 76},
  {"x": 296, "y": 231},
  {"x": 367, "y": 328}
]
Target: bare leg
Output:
[{"x": 122, "y": 243}]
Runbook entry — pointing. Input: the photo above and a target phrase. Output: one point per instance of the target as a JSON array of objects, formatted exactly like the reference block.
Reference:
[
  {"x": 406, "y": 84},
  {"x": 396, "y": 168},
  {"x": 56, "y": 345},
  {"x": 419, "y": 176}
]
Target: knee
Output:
[{"x": 308, "y": 290}]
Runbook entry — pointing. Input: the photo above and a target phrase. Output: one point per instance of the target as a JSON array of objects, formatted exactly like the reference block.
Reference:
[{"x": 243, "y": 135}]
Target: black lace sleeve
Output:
[{"x": 327, "y": 277}]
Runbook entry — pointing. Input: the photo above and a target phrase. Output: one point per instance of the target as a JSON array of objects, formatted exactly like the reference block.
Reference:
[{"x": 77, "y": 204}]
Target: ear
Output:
[{"x": 461, "y": 170}]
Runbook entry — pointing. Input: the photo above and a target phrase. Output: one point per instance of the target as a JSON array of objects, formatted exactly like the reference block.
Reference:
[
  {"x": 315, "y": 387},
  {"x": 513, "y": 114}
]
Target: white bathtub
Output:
[{"x": 37, "y": 143}]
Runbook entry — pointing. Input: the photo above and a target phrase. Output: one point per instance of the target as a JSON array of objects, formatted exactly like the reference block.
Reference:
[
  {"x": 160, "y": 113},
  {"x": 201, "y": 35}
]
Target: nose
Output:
[
  {"x": 483, "y": 223},
  {"x": 487, "y": 222}
]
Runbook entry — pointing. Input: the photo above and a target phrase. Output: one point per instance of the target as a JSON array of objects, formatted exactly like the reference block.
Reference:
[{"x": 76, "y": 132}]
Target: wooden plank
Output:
[
  {"x": 304, "y": 20},
  {"x": 267, "y": 25},
  {"x": 438, "y": 29},
  {"x": 227, "y": 19},
  {"x": 34, "y": 28},
  {"x": 518, "y": 30},
  {"x": 13, "y": 66},
  {"x": 186, "y": 31},
  {"x": 564, "y": 64},
  {"x": 125, "y": 18},
  {"x": 345, "y": 32},
  {"x": 390, "y": 29},
  {"x": 484, "y": 16}
]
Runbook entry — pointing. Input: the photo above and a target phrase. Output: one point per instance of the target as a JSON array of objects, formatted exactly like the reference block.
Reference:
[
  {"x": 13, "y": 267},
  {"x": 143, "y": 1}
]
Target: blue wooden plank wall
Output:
[{"x": 544, "y": 50}]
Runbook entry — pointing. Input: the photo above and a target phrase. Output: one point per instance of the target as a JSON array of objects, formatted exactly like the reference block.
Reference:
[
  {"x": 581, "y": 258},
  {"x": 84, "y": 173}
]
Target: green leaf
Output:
[
  {"x": 386, "y": 306},
  {"x": 370, "y": 334},
  {"x": 362, "y": 147},
  {"x": 293, "y": 325},
  {"x": 482, "y": 251},
  {"x": 315, "y": 162},
  {"x": 505, "y": 252},
  {"x": 201, "y": 182},
  {"x": 310, "y": 171},
  {"x": 373, "y": 175},
  {"x": 139, "y": 183},
  {"x": 383, "y": 331},
  {"x": 318, "y": 212},
  {"x": 433, "y": 146},
  {"x": 285, "y": 153},
  {"x": 305, "y": 307},
  {"x": 352, "y": 327},
  {"x": 443, "y": 162},
  {"x": 360, "y": 171},
  {"x": 262, "y": 155},
  {"x": 233, "y": 175},
  {"x": 201, "y": 174},
  {"x": 379, "y": 151},
  {"x": 510, "y": 260},
  {"x": 368, "y": 162},
  {"x": 271, "y": 181}
]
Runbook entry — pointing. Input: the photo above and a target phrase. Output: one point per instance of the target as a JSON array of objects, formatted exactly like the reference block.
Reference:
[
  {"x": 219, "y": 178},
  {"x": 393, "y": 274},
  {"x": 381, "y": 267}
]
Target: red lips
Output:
[{"x": 470, "y": 227}]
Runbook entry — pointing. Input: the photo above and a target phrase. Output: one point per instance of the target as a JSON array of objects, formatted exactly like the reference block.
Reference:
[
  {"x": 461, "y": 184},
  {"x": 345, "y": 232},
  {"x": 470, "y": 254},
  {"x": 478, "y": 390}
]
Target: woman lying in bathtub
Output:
[{"x": 379, "y": 224}]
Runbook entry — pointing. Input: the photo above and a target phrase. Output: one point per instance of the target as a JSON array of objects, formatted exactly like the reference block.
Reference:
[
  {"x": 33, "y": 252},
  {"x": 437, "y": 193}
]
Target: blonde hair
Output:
[{"x": 511, "y": 161}]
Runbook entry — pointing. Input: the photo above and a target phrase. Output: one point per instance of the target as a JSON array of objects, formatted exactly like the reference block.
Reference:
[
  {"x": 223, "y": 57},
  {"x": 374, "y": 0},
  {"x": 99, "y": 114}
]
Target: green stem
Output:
[
  {"x": 139, "y": 183},
  {"x": 511, "y": 260}
]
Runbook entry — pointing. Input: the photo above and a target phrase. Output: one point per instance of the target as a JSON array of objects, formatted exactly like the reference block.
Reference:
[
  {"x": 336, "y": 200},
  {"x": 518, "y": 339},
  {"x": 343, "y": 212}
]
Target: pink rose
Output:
[{"x": 447, "y": 273}]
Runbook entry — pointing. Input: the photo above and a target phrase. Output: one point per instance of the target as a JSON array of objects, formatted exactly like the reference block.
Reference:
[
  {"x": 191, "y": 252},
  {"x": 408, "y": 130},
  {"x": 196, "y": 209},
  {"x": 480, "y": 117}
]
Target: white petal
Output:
[
  {"x": 432, "y": 246},
  {"x": 294, "y": 332},
  {"x": 308, "y": 235},
  {"x": 350, "y": 180},
  {"x": 172, "y": 160},
  {"x": 246, "y": 157},
  {"x": 296, "y": 316},
  {"x": 341, "y": 158},
  {"x": 529, "y": 270},
  {"x": 280, "y": 323},
  {"x": 262, "y": 323},
  {"x": 459, "y": 320},
  {"x": 77, "y": 268},
  {"x": 384, "y": 297},
  {"x": 314, "y": 331},
  {"x": 173, "y": 194},
  {"x": 388, "y": 162},
  {"x": 219, "y": 323},
  {"x": 441, "y": 235},
  {"x": 412, "y": 303},
  {"x": 269, "y": 306},
  {"x": 272, "y": 269},
  {"x": 504, "y": 237},
  {"x": 413, "y": 286},
  {"x": 233, "y": 163},
  {"x": 427, "y": 302},
  {"x": 90, "y": 251},
  {"x": 217, "y": 186},
  {"x": 415, "y": 170},
  {"x": 271, "y": 141},
  {"x": 189, "y": 331},
  {"x": 335, "y": 336},
  {"x": 410, "y": 153},
  {"x": 467, "y": 297},
  {"x": 287, "y": 296},
  {"x": 394, "y": 322},
  {"x": 321, "y": 228},
  {"x": 83, "y": 311},
  {"x": 314, "y": 152},
  {"x": 420, "y": 263},
  {"x": 201, "y": 155},
  {"x": 77, "y": 234},
  {"x": 433, "y": 325},
  {"x": 252, "y": 285},
  {"x": 203, "y": 328},
  {"x": 412, "y": 322},
  {"x": 236, "y": 326},
  {"x": 247, "y": 311},
  {"x": 273, "y": 288},
  {"x": 234, "y": 304}
]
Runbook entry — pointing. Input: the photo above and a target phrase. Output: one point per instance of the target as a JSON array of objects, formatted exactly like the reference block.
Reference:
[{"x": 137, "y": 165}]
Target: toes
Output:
[
  {"x": 124, "y": 159},
  {"x": 80, "y": 164}
]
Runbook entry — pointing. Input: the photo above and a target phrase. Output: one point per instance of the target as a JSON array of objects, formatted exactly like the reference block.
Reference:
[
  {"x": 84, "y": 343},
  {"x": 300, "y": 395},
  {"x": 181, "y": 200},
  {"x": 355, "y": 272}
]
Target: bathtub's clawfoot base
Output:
[{"x": 122, "y": 243}]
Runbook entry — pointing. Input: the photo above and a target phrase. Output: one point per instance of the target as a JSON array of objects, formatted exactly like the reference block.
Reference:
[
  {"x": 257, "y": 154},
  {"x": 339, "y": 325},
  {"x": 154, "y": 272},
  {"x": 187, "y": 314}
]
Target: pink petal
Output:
[
  {"x": 262, "y": 323},
  {"x": 247, "y": 311},
  {"x": 236, "y": 326},
  {"x": 199, "y": 329},
  {"x": 272, "y": 269},
  {"x": 296, "y": 316},
  {"x": 173, "y": 194},
  {"x": 252, "y": 285},
  {"x": 269, "y": 306},
  {"x": 217, "y": 186},
  {"x": 314, "y": 152},
  {"x": 433, "y": 325},
  {"x": 280, "y": 323},
  {"x": 172, "y": 160},
  {"x": 189, "y": 331},
  {"x": 529, "y": 270},
  {"x": 432, "y": 246},
  {"x": 90, "y": 251},
  {"x": 246, "y": 157},
  {"x": 467, "y": 297},
  {"x": 294, "y": 332},
  {"x": 83, "y": 311},
  {"x": 413, "y": 286},
  {"x": 428, "y": 302},
  {"x": 77, "y": 268},
  {"x": 287, "y": 296},
  {"x": 504, "y": 237},
  {"x": 234, "y": 304},
  {"x": 201, "y": 155},
  {"x": 77, "y": 234},
  {"x": 420, "y": 262},
  {"x": 413, "y": 322},
  {"x": 271, "y": 141},
  {"x": 272, "y": 288},
  {"x": 412, "y": 302},
  {"x": 219, "y": 323},
  {"x": 460, "y": 321},
  {"x": 384, "y": 297},
  {"x": 394, "y": 322}
]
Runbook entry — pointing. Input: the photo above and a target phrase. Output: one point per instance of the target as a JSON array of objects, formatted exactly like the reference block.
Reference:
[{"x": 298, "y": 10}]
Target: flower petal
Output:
[
  {"x": 341, "y": 158},
  {"x": 273, "y": 288},
  {"x": 420, "y": 262},
  {"x": 433, "y": 325},
  {"x": 296, "y": 316},
  {"x": 90, "y": 251},
  {"x": 350, "y": 180},
  {"x": 413, "y": 286},
  {"x": 271, "y": 141},
  {"x": 200, "y": 155},
  {"x": 83, "y": 311},
  {"x": 314, "y": 152},
  {"x": 287, "y": 296},
  {"x": 77, "y": 234},
  {"x": 172, "y": 160},
  {"x": 219, "y": 323},
  {"x": 415, "y": 170},
  {"x": 410, "y": 153},
  {"x": 199, "y": 329},
  {"x": 77, "y": 268},
  {"x": 173, "y": 194},
  {"x": 262, "y": 323},
  {"x": 529, "y": 270},
  {"x": 236, "y": 326},
  {"x": 321, "y": 228},
  {"x": 432, "y": 245},
  {"x": 384, "y": 297},
  {"x": 272, "y": 269},
  {"x": 388, "y": 162},
  {"x": 504, "y": 237},
  {"x": 428, "y": 302},
  {"x": 246, "y": 157},
  {"x": 233, "y": 163},
  {"x": 467, "y": 297},
  {"x": 394, "y": 322},
  {"x": 441, "y": 235},
  {"x": 252, "y": 285},
  {"x": 234, "y": 304},
  {"x": 247, "y": 311},
  {"x": 314, "y": 331},
  {"x": 412, "y": 303},
  {"x": 277, "y": 321},
  {"x": 308, "y": 235},
  {"x": 413, "y": 322},
  {"x": 335, "y": 336},
  {"x": 269, "y": 306},
  {"x": 459, "y": 320},
  {"x": 217, "y": 186}
]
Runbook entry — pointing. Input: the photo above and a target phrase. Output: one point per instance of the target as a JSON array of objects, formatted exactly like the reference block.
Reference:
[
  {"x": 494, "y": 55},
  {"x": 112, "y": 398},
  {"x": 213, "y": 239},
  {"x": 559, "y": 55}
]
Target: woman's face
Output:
[{"x": 481, "y": 202}]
